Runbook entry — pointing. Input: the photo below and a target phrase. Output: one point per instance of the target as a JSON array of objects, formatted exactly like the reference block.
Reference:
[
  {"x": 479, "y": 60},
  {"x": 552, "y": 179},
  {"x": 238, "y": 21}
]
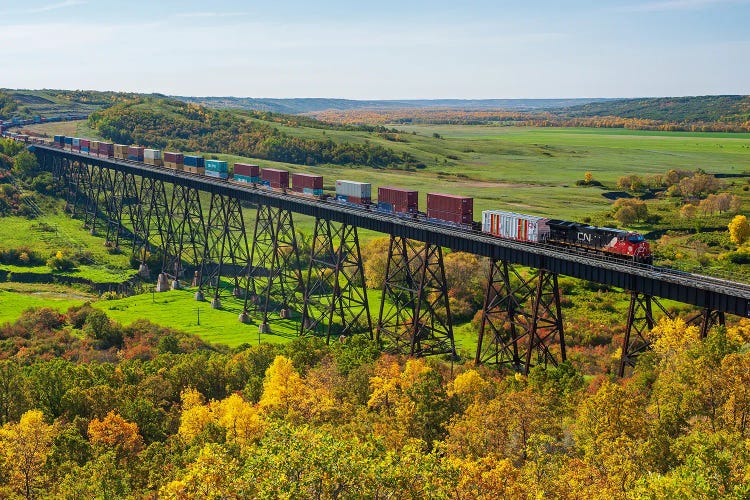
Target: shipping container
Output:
[
  {"x": 121, "y": 151},
  {"x": 354, "y": 192},
  {"x": 94, "y": 148},
  {"x": 194, "y": 170},
  {"x": 393, "y": 199},
  {"x": 193, "y": 161},
  {"x": 69, "y": 143},
  {"x": 106, "y": 149},
  {"x": 152, "y": 157},
  {"x": 218, "y": 166},
  {"x": 135, "y": 153},
  {"x": 173, "y": 160},
  {"x": 247, "y": 170},
  {"x": 515, "y": 226},
  {"x": 173, "y": 157},
  {"x": 60, "y": 140},
  {"x": 455, "y": 217},
  {"x": 216, "y": 174},
  {"x": 275, "y": 178},
  {"x": 85, "y": 145},
  {"x": 450, "y": 203},
  {"x": 307, "y": 184}
]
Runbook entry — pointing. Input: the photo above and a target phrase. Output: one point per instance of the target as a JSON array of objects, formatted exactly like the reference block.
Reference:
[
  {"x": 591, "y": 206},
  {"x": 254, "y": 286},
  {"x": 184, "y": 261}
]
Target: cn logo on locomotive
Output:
[{"x": 584, "y": 237}]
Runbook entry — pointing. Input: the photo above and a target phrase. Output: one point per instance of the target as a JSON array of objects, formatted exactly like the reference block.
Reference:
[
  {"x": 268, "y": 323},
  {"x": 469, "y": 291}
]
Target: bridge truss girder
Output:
[
  {"x": 225, "y": 251},
  {"x": 335, "y": 286},
  {"x": 274, "y": 277},
  {"x": 414, "y": 316},
  {"x": 524, "y": 318}
]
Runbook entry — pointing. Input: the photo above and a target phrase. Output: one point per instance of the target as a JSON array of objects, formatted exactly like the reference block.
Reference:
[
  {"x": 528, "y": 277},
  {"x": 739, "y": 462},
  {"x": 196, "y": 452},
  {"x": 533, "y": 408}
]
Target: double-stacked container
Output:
[
  {"x": 69, "y": 143},
  {"x": 76, "y": 144},
  {"x": 94, "y": 148},
  {"x": 515, "y": 226},
  {"x": 307, "y": 184},
  {"x": 121, "y": 151},
  {"x": 274, "y": 178},
  {"x": 194, "y": 164},
  {"x": 60, "y": 141},
  {"x": 106, "y": 149},
  {"x": 153, "y": 157},
  {"x": 217, "y": 168},
  {"x": 135, "y": 153},
  {"x": 247, "y": 173},
  {"x": 398, "y": 200},
  {"x": 85, "y": 145},
  {"x": 174, "y": 161},
  {"x": 450, "y": 208},
  {"x": 359, "y": 193}
]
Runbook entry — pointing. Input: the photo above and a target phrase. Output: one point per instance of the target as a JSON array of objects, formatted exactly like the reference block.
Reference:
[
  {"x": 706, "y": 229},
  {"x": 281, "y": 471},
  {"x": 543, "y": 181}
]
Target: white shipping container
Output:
[
  {"x": 515, "y": 226},
  {"x": 360, "y": 190},
  {"x": 152, "y": 154}
]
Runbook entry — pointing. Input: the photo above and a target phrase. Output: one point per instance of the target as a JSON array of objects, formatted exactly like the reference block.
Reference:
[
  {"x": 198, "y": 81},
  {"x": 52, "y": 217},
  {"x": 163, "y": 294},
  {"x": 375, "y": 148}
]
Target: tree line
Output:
[
  {"x": 92, "y": 409},
  {"x": 174, "y": 125}
]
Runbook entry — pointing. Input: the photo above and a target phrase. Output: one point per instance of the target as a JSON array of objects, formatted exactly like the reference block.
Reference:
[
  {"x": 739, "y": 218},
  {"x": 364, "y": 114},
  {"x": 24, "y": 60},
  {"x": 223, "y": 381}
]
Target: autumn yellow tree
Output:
[
  {"x": 25, "y": 447},
  {"x": 282, "y": 388},
  {"x": 739, "y": 229}
]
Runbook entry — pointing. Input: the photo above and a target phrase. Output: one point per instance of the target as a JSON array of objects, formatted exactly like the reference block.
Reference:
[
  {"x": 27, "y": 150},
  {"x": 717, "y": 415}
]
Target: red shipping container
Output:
[
  {"x": 276, "y": 177},
  {"x": 173, "y": 157},
  {"x": 456, "y": 217},
  {"x": 106, "y": 148},
  {"x": 309, "y": 181},
  {"x": 135, "y": 151},
  {"x": 85, "y": 143},
  {"x": 450, "y": 203},
  {"x": 403, "y": 200},
  {"x": 246, "y": 169}
]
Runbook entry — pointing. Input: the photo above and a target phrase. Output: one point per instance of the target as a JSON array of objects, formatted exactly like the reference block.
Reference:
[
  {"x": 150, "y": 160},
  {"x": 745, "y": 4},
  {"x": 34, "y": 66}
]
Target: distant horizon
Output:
[
  {"x": 385, "y": 51},
  {"x": 217, "y": 96}
]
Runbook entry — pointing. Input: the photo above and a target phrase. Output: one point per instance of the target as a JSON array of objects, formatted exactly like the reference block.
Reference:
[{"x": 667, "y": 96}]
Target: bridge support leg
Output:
[
  {"x": 185, "y": 240},
  {"x": 640, "y": 321},
  {"x": 93, "y": 188},
  {"x": 414, "y": 313},
  {"x": 115, "y": 195},
  {"x": 335, "y": 283},
  {"x": 523, "y": 317},
  {"x": 707, "y": 319},
  {"x": 274, "y": 275},
  {"x": 226, "y": 247}
]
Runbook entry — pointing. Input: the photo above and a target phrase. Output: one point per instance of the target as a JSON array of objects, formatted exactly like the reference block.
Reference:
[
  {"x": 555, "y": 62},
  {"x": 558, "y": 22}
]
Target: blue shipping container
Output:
[
  {"x": 193, "y": 161},
  {"x": 85, "y": 149},
  {"x": 69, "y": 140},
  {"x": 385, "y": 207},
  {"x": 217, "y": 166},
  {"x": 218, "y": 175},
  {"x": 314, "y": 192},
  {"x": 246, "y": 178}
]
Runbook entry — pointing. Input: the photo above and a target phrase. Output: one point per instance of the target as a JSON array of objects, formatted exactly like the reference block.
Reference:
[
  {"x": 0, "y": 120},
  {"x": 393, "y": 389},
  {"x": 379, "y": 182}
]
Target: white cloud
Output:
[{"x": 55, "y": 6}]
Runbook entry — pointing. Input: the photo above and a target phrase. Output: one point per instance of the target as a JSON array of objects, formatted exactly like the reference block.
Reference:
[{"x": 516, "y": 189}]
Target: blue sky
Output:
[{"x": 380, "y": 50}]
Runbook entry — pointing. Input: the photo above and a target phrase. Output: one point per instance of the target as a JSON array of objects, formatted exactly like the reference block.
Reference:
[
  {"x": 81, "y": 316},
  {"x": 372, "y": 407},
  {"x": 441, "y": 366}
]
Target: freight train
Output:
[{"x": 444, "y": 209}]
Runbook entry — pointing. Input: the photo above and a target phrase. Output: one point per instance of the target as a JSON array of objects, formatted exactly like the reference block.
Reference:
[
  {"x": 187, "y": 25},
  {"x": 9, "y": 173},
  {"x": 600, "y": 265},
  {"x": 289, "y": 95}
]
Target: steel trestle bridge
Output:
[{"x": 156, "y": 208}]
